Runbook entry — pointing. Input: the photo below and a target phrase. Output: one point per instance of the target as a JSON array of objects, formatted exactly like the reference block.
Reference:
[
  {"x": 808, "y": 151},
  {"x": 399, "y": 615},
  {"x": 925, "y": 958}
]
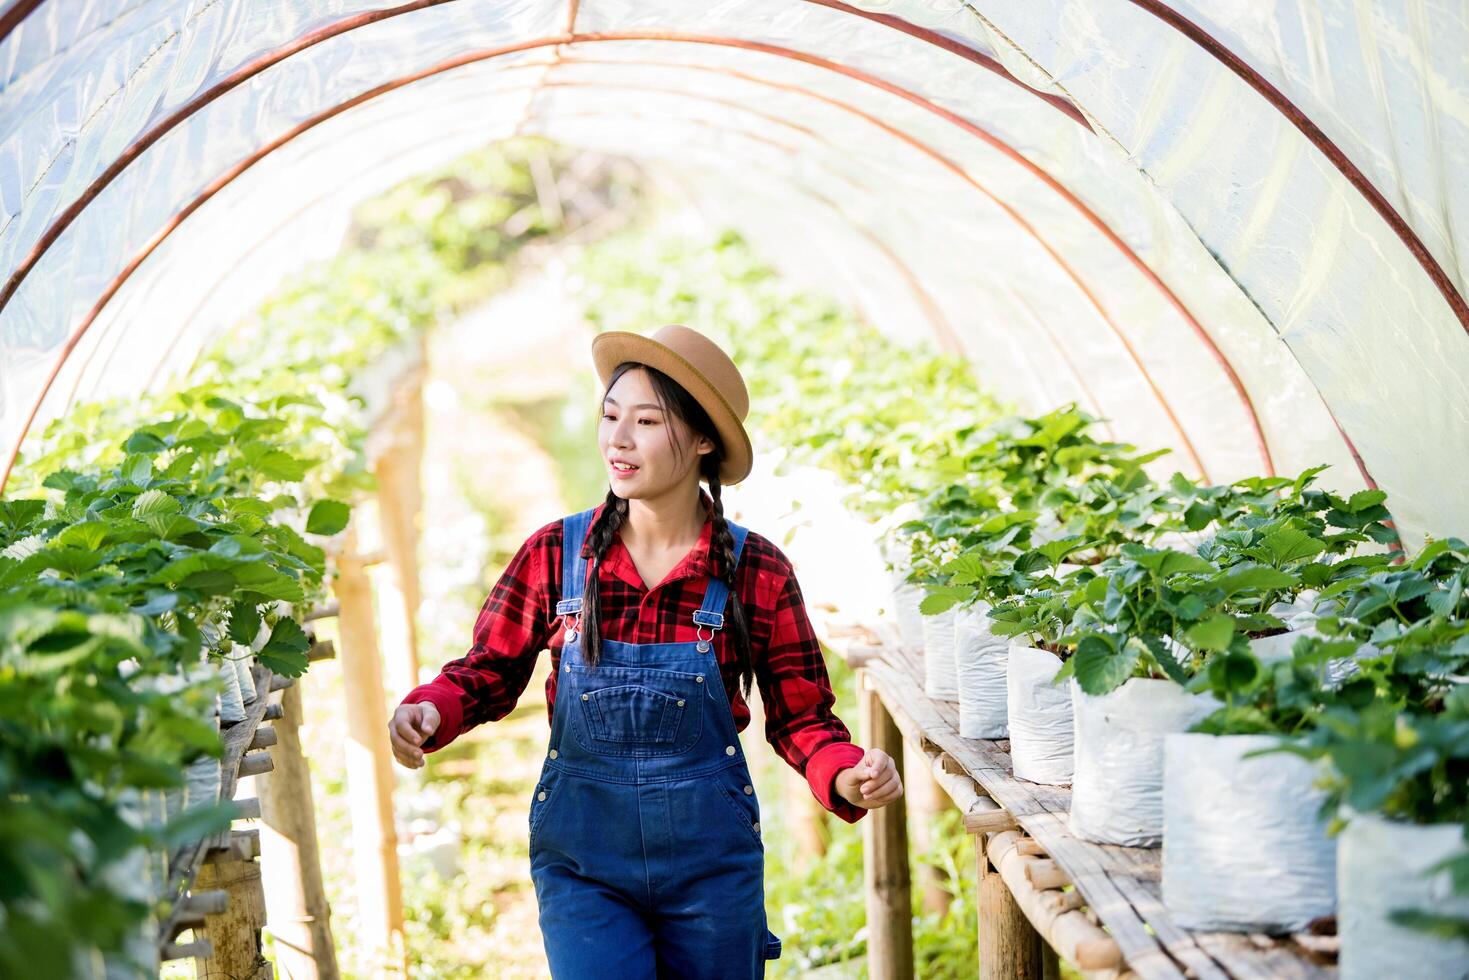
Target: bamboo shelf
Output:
[
  {"x": 245, "y": 753},
  {"x": 1098, "y": 906}
]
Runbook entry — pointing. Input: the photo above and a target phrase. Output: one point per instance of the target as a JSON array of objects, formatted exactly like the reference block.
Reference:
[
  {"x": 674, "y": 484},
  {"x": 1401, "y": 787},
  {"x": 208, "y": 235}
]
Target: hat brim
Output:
[{"x": 616, "y": 346}]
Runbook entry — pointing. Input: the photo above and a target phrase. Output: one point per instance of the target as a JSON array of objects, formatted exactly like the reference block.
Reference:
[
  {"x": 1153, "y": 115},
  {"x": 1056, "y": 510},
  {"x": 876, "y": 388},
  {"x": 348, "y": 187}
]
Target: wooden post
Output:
[
  {"x": 885, "y": 855},
  {"x": 926, "y": 800},
  {"x": 297, "y": 913},
  {"x": 1009, "y": 947},
  {"x": 234, "y": 934},
  {"x": 396, "y": 448},
  {"x": 369, "y": 766}
]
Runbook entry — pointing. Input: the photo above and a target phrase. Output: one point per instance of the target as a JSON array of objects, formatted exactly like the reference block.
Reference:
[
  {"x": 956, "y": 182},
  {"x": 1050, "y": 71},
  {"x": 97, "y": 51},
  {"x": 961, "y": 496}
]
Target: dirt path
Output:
[
  {"x": 485, "y": 470},
  {"x": 469, "y": 904}
]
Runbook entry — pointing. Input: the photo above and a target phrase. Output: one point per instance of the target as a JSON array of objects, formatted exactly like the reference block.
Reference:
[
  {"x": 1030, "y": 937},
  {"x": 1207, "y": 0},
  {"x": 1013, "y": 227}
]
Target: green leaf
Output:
[
  {"x": 328, "y": 517},
  {"x": 1199, "y": 515},
  {"x": 1363, "y": 499},
  {"x": 1101, "y": 667},
  {"x": 1061, "y": 547},
  {"x": 1213, "y": 633},
  {"x": 88, "y": 535},
  {"x": 285, "y": 651},
  {"x": 198, "y": 822},
  {"x": 155, "y": 502},
  {"x": 1163, "y": 657},
  {"x": 1443, "y": 602},
  {"x": 941, "y": 598},
  {"x": 278, "y": 465},
  {"x": 73, "y": 561},
  {"x": 137, "y": 470},
  {"x": 171, "y": 527},
  {"x": 143, "y": 442},
  {"x": 1289, "y": 544},
  {"x": 210, "y": 582},
  {"x": 159, "y": 601},
  {"x": 68, "y": 480},
  {"x": 1252, "y": 578},
  {"x": 1233, "y": 672},
  {"x": 1032, "y": 561},
  {"x": 244, "y": 622}
]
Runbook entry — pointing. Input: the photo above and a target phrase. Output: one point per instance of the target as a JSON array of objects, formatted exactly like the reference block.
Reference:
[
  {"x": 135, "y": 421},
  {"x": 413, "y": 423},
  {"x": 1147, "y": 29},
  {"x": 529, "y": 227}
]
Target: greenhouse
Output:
[{"x": 1092, "y": 366}]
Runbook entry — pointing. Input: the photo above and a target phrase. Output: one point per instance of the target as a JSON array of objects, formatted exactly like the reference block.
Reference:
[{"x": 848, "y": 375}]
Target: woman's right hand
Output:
[{"x": 410, "y": 725}]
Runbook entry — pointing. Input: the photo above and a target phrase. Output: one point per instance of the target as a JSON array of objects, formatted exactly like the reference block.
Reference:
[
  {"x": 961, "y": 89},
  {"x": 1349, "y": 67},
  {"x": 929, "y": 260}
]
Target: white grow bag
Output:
[
  {"x": 1039, "y": 716},
  {"x": 242, "y": 658},
  {"x": 981, "y": 659},
  {"x": 940, "y": 673},
  {"x": 906, "y": 598},
  {"x": 1382, "y": 865},
  {"x": 1117, "y": 789},
  {"x": 1244, "y": 847},
  {"x": 136, "y": 875}
]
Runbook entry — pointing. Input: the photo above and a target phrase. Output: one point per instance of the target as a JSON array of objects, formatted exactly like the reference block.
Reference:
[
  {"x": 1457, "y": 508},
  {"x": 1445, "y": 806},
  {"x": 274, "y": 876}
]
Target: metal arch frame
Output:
[
  {"x": 259, "y": 64},
  {"x": 12, "y": 17},
  {"x": 18, "y": 11},
  {"x": 1314, "y": 134},
  {"x": 356, "y": 21},
  {"x": 942, "y": 329},
  {"x": 347, "y": 24},
  {"x": 856, "y": 74},
  {"x": 930, "y": 37}
]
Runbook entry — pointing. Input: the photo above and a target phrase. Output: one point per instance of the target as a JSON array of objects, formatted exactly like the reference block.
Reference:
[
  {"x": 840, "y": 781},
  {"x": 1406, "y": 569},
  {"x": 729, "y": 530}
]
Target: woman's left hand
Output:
[{"x": 871, "y": 783}]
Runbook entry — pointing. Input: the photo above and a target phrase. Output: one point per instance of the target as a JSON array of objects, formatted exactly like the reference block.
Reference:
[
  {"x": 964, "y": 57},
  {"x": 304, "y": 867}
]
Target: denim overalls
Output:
[{"x": 645, "y": 842}]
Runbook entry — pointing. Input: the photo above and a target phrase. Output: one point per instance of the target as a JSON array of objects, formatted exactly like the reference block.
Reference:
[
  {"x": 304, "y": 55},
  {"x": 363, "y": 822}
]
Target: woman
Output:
[{"x": 645, "y": 836}]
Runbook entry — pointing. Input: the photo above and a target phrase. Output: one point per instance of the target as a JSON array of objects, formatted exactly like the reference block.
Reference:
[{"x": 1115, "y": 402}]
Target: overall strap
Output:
[
  {"x": 711, "y": 613},
  {"x": 574, "y": 530}
]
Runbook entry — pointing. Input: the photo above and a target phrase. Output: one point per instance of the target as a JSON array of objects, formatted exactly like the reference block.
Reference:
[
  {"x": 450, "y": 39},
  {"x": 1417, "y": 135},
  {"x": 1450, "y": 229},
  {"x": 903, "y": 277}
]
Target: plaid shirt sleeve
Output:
[
  {"x": 800, "y": 723},
  {"x": 514, "y": 625}
]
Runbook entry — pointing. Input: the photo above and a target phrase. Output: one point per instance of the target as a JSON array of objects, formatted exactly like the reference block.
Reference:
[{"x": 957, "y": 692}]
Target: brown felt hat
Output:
[{"x": 703, "y": 369}]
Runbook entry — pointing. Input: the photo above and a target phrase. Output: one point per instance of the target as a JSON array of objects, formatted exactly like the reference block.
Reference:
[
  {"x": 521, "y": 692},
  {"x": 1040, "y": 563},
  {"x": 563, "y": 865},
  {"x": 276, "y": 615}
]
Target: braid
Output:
[
  {"x": 722, "y": 544},
  {"x": 599, "y": 538}
]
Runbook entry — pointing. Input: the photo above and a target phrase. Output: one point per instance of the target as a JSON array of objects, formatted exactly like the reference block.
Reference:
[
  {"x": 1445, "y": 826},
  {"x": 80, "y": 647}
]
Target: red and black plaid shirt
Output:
[{"x": 518, "y": 620}]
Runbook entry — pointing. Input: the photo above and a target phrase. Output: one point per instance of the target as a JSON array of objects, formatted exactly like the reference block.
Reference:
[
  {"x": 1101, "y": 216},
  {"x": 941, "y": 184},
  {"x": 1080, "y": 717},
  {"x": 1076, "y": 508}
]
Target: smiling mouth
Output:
[{"x": 624, "y": 468}]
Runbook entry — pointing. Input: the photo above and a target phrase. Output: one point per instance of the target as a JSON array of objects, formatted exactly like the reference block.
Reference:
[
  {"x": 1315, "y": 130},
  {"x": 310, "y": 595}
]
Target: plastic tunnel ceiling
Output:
[{"x": 1236, "y": 229}]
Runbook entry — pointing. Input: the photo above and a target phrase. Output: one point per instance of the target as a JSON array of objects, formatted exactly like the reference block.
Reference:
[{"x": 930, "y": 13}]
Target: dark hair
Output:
[{"x": 673, "y": 398}]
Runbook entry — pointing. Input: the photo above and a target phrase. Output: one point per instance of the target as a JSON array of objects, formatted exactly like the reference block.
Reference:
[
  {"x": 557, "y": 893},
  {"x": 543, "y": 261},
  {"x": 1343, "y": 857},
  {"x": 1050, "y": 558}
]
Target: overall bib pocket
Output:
[
  {"x": 633, "y": 714},
  {"x": 658, "y": 713}
]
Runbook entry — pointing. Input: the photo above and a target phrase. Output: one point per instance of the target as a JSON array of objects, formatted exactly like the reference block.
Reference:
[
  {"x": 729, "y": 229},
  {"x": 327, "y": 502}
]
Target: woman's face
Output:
[{"x": 647, "y": 451}]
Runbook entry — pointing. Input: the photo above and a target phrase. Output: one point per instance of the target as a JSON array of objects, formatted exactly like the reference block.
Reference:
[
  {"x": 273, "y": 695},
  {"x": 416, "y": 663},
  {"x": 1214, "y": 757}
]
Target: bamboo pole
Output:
[
  {"x": 396, "y": 448},
  {"x": 926, "y": 801},
  {"x": 1009, "y": 948},
  {"x": 885, "y": 855},
  {"x": 297, "y": 913},
  {"x": 233, "y": 934},
  {"x": 1067, "y": 929},
  {"x": 369, "y": 766}
]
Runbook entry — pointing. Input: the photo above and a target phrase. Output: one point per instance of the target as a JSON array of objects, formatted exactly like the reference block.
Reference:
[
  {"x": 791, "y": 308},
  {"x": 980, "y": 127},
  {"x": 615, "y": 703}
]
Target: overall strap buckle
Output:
[
  {"x": 574, "y": 529},
  {"x": 570, "y": 610},
  {"x": 703, "y": 619}
]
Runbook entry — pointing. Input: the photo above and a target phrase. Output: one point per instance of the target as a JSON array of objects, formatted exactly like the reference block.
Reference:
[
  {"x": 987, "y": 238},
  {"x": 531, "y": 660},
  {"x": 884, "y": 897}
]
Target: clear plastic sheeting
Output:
[{"x": 1088, "y": 200}]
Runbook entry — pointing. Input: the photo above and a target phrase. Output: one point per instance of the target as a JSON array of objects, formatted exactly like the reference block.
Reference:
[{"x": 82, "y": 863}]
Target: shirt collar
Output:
[{"x": 696, "y": 563}]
